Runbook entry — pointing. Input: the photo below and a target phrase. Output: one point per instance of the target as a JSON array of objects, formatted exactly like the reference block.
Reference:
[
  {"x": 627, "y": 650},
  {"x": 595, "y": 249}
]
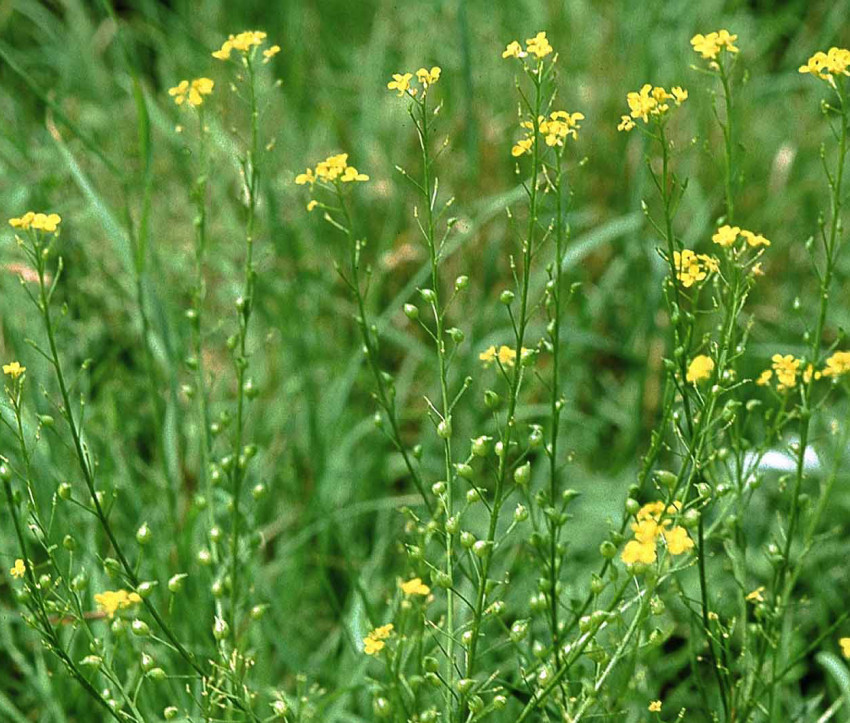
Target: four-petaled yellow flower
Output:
[
  {"x": 626, "y": 123},
  {"x": 243, "y": 42},
  {"x": 13, "y": 369},
  {"x": 754, "y": 239},
  {"x": 845, "y": 647},
  {"x": 193, "y": 92},
  {"x": 836, "y": 61},
  {"x": 111, "y": 601},
  {"x": 401, "y": 83},
  {"x": 48, "y": 222},
  {"x": 654, "y": 706},
  {"x": 415, "y": 587},
  {"x": 523, "y": 145},
  {"x": 678, "y": 541},
  {"x": 726, "y": 235},
  {"x": 699, "y": 369},
  {"x": 708, "y": 46},
  {"x": 374, "y": 643},
  {"x": 692, "y": 268},
  {"x": 650, "y": 102},
  {"x": 18, "y": 569}
]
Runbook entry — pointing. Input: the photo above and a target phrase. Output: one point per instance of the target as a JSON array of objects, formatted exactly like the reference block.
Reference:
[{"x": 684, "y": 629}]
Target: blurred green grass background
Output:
[{"x": 330, "y": 525}]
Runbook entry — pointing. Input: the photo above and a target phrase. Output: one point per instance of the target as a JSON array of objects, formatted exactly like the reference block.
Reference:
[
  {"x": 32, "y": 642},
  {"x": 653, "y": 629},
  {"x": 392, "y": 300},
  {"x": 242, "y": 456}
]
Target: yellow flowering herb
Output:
[
  {"x": 243, "y": 42},
  {"x": 192, "y": 92},
  {"x": 374, "y": 643},
  {"x": 787, "y": 368},
  {"x": 48, "y": 222},
  {"x": 691, "y": 268},
  {"x": 636, "y": 551},
  {"x": 18, "y": 569},
  {"x": 836, "y": 365},
  {"x": 708, "y": 46},
  {"x": 505, "y": 355},
  {"x": 415, "y": 587},
  {"x": 269, "y": 53},
  {"x": 111, "y": 601},
  {"x": 836, "y": 61},
  {"x": 650, "y": 102},
  {"x": 756, "y": 595},
  {"x": 678, "y": 541},
  {"x": 514, "y": 50},
  {"x": 654, "y": 706},
  {"x": 401, "y": 83},
  {"x": 13, "y": 369},
  {"x": 700, "y": 369},
  {"x": 538, "y": 46},
  {"x": 428, "y": 77},
  {"x": 726, "y": 235}
]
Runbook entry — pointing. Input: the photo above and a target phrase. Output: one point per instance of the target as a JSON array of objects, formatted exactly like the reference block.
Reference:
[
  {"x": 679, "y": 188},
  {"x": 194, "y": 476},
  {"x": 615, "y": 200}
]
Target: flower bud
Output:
[
  {"x": 428, "y": 295},
  {"x": 64, "y": 491},
  {"x": 175, "y": 582},
  {"x": 481, "y": 446},
  {"x": 520, "y": 513},
  {"x": 220, "y": 629},
  {"x": 522, "y": 475},
  {"x": 140, "y": 628},
  {"x": 144, "y": 534},
  {"x": 444, "y": 428},
  {"x": 507, "y": 297},
  {"x": 69, "y": 543},
  {"x": 411, "y": 312},
  {"x": 170, "y": 713},
  {"x": 145, "y": 589},
  {"x": 473, "y": 496},
  {"x": 461, "y": 282}
]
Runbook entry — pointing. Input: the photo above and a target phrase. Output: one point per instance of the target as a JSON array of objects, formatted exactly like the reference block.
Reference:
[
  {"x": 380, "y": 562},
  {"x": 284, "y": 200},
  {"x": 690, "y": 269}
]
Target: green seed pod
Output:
[
  {"x": 157, "y": 674},
  {"x": 140, "y": 628},
  {"x": 175, "y": 582},
  {"x": 144, "y": 534},
  {"x": 475, "y": 704},
  {"x": 465, "y": 471},
  {"x": 465, "y": 685},
  {"x": 170, "y": 713},
  {"x": 258, "y": 612},
  {"x": 457, "y": 335},
  {"x": 430, "y": 664},
  {"x": 522, "y": 474},
  {"x": 147, "y": 662},
  {"x": 64, "y": 491},
  {"x": 250, "y": 389},
  {"x": 632, "y": 506},
  {"x": 221, "y": 629},
  {"x": 461, "y": 282},
  {"x": 520, "y": 513},
  {"x": 146, "y": 588},
  {"x": 499, "y": 702},
  {"x": 473, "y": 496},
  {"x": 428, "y": 295},
  {"x": 481, "y": 548},
  {"x": 491, "y": 399},
  {"x": 519, "y": 630},
  {"x": 666, "y": 478},
  {"x": 481, "y": 446},
  {"x": 507, "y": 297},
  {"x": 452, "y": 525},
  {"x": 444, "y": 428},
  {"x": 46, "y": 420},
  {"x": 69, "y": 543}
]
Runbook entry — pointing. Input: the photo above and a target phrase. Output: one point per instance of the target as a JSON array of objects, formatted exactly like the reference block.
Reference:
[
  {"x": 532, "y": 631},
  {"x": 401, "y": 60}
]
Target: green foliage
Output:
[{"x": 261, "y": 423}]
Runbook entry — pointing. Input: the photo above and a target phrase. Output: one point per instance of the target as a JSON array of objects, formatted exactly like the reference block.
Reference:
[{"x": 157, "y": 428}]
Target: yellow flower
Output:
[
  {"x": 646, "y": 530},
  {"x": 708, "y": 46},
  {"x": 522, "y": 146},
  {"x": 625, "y": 124},
  {"x": 18, "y": 569},
  {"x": 845, "y": 646},
  {"x": 651, "y": 511},
  {"x": 37, "y": 221},
  {"x": 825, "y": 65},
  {"x": 312, "y": 204},
  {"x": 307, "y": 177},
  {"x": 678, "y": 541},
  {"x": 689, "y": 268},
  {"x": 754, "y": 239},
  {"x": 699, "y": 369},
  {"x": 111, "y": 601},
  {"x": 635, "y": 551},
  {"x": 333, "y": 167},
  {"x": 836, "y": 365},
  {"x": 14, "y": 369},
  {"x": 559, "y": 126},
  {"x": 680, "y": 95},
  {"x": 505, "y": 355},
  {"x": 415, "y": 587},
  {"x": 270, "y": 53},
  {"x": 726, "y": 235},
  {"x": 428, "y": 77},
  {"x": 514, "y": 50},
  {"x": 786, "y": 368},
  {"x": 764, "y": 378},
  {"x": 242, "y": 42},
  {"x": 401, "y": 83},
  {"x": 538, "y": 45},
  {"x": 194, "y": 92},
  {"x": 756, "y": 595},
  {"x": 655, "y": 706},
  {"x": 352, "y": 174},
  {"x": 373, "y": 643}
]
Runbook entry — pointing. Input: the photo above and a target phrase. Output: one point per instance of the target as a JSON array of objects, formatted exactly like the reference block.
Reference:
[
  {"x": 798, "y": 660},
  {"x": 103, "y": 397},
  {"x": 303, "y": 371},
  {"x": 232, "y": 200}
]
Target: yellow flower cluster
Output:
[
  {"x": 837, "y": 364},
  {"x": 505, "y": 355},
  {"x": 699, "y": 369},
  {"x": 648, "y": 527},
  {"x": 38, "y": 221},
  {"x": 415, "y": 587},
  {"x": 425, "y": 77},
  {"x": 332, "y": 169},
  {"x": 374, "y": 643},
  {"x": 243, "y": 42},
  {"x": 555, "y": 129},
  {"x": 836, "y": 61},
  {"x": 538, "y": 46},
  {"x": 787, "y": 369},
  {"x": 727, "y": 235},
  {"x": 708, "y": 46},
  {"x": 111, "y": 601},
  {"x": 650, "y": 102},
  {"x": 193, "y": 92},
  {"x": 269, "y": 53},
  {"x": 692, "y": 268},
  {"x": 18, "y": 569},
  {"x": 13, "y": 369}
]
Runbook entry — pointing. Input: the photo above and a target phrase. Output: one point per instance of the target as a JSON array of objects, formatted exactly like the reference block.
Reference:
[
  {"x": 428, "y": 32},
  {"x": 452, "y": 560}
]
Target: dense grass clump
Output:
[{"x": 413, "y": 363}]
